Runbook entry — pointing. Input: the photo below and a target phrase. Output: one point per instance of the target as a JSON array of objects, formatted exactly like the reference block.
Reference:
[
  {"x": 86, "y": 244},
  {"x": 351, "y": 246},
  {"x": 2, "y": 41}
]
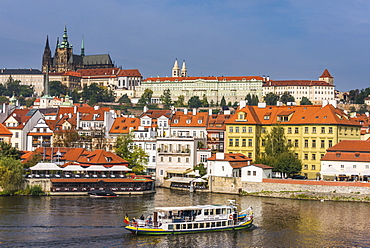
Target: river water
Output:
[{"x": 78, "y": 221}]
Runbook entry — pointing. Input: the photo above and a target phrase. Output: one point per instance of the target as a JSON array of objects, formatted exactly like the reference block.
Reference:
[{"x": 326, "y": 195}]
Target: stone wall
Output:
[
  {"x": 232, "y": 185},
  {"x": 44, "y": 183}
]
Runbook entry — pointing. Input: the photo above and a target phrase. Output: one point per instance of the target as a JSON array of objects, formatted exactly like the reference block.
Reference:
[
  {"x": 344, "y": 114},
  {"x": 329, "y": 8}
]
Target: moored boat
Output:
[
  {"x": 101, "y": 193},
  {"x": 192, "y": 219}
]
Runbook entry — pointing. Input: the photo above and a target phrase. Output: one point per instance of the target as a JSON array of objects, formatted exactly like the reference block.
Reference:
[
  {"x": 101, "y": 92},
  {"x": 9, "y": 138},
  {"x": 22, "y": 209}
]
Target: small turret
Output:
[
  {"x": 184, "y": 72},
  {"x": 176, "y": 69}
]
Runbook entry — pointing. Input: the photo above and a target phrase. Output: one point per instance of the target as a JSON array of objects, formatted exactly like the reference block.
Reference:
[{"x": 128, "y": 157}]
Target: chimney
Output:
[
  {"x": 145, "y": 109},
  {"x": 367, "y": 114},
  {"x": 324, "y": 103},
  {"x": 261, "y": 105},
  {"x": 209, "y": 112},
  {"x": 75, "y": 109},
  {"x": 268, "y": 78},
  {"x": 185, "y": 111},
  {"x": 242, "y": 104},
  {"x": 194, "y": 111}
]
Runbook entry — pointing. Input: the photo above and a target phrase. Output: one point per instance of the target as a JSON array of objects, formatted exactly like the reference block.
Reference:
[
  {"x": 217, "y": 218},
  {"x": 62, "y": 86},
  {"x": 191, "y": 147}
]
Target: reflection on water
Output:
[{"x": 95, "y": 222}]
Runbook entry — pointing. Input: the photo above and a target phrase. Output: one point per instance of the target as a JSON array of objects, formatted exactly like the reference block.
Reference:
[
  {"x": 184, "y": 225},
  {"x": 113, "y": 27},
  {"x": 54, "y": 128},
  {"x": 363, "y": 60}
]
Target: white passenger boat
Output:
[{"x": 192, "y": 219}]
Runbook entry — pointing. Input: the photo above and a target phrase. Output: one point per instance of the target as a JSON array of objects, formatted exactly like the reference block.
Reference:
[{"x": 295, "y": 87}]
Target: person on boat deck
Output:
[{"x": 142, "y": 217}]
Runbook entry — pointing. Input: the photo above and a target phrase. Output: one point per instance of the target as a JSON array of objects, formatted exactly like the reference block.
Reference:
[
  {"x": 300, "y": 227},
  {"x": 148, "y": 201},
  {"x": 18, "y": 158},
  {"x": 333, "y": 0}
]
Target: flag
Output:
[{"x": 126, "y": 220}]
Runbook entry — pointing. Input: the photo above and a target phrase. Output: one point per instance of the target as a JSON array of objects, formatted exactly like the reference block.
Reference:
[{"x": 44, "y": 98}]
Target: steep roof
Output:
[
  {"x": 129, "y": 73},
  {"x": 297, "y": 115},
  {"x": 156, "y": 113},
  {"x": 180, "y": 119},
  {"x": 97, "y": 59},
  {"x": 20, "y": 71},
  {"x": 101, "y": 72},
  {"x": 102, "y": 157},
  {"x": 124, "y": 125},
  {"x": 326, "y": 74},
  {"x": 4, "y": 131},
  {"x": 22, "y": 116},
  {"x": 217, "y": 121}
]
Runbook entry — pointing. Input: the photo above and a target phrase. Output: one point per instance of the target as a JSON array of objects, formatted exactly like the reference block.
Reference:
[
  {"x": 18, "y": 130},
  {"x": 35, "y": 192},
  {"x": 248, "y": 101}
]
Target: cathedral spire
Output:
[
  {"x": 176, "y": 69},
  {"x": 184, "y": 72},
  {"x": 65, "y": 43},
  {"x": 46, "y": 58}
]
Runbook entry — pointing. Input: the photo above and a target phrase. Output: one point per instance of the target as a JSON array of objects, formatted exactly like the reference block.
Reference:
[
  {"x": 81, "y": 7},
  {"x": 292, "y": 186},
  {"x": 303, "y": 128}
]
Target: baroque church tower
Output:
[{"x": 64, "y": 51}]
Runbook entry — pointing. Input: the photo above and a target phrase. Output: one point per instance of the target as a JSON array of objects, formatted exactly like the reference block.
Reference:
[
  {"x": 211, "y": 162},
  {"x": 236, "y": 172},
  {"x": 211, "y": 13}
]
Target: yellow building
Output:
[{"x": 311, "y": 129}]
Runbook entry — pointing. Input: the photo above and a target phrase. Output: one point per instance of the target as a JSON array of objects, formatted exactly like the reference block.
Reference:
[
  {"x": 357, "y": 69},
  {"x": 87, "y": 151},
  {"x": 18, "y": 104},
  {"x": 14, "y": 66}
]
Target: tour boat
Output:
[
  {"x": 102, "y": 193},
  {"x": 191, "y": 219}
]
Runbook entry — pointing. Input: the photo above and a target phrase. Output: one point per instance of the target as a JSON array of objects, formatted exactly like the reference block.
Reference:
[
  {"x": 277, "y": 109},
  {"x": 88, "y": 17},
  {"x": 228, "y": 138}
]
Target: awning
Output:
[
  {"x": 73, "y": 168},
  {"x": 96, "y": 168},
  {"x": 119, "y": 168},
  {"x": 365, "y": 172},
  {"x": 199, "y": 180},
  {"x": 180, "y": 179},
  {"x": 45, "y": 167},
  {"x": 179, "y": 171},
  {"x": 350, "y": 171},
  {"x": 330, "y": 171}
]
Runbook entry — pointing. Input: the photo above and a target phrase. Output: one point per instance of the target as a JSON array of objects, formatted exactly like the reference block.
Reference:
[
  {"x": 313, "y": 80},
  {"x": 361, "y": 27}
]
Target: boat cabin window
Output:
[
  {"x": 183, "y": 226},
  {"x": 211, "y": 212},
  {"x": 223, "y": 223},
  {"x": 229, "y": 210},
  {"x": 170, "y": 227},
  {"x": 207, "y": 224},
  {"x": 195, "y": 225},
  {"x": 201, "y": 225},
  {"x": 213, "y": 224},
  {"x": 218, "y": 224},
  {"x": 178, "y": 226},
  {"x": 205, "y": 211},
  {"x": 218, "y": 211},
  {"x": 224, "y": 211},
  {"x": 190, "y": 226},
  {"x": 230, "y": 222}
]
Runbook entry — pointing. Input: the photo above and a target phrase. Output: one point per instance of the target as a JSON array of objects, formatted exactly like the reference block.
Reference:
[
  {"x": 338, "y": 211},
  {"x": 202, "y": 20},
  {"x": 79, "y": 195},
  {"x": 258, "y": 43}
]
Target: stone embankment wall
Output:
[
  {"x": 44, "y": 183},
  {"x": 232, "y": 185}
]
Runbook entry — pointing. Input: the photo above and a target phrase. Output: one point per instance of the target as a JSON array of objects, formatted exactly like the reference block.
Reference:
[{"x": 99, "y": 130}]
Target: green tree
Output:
[
  {"x": 180, "y": 101},
  {"x": 30, "y": 101},
  {"x": 287, "y": 97},
  {"x": 352, "y": 109},
  {"x": 11, "y": 174},
  {"x": 212, "y": 103},
  {"x": 271, "y": 99},
  {"x": 146, "y": 97},
  {"x": 305, "y": 101},
  {"x": 204, "y": 101},
  {"x": 278, "y": 153},
  {"x": 194, "y": 102},
  {"x": 166, "y": 98},
  {"x": 6, "y": 150},
  {"x": 363, "y": 109},
  {"x": 223, "y": 102},
  {"x": 75, "y": 96},
  {"x": 124, "y": 99},
  {"x": 135, "y": 155},
  {"x": 57, "y": 88},
  {"x": 252, "y": 100},
  {"x": 14, "y": 87},
  {"x": 202, "y": 169},
  {"x": 4, "y": 99}
]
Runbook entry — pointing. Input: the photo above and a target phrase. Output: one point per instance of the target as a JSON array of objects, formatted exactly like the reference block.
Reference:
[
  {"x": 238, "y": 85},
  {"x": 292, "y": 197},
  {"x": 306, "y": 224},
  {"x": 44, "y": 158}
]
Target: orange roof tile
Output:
[
  {"x": 124, "y": 125},
  {"x": 4, "y": 131},
  {"x": 296, "y": 83},
  {"x": 232, "y": 157},
  {"x": 182, "y": 79},
  {"x": 129, "y": 73},
  {"x": 326, "y": 74},
  {"x": 102, "y": 157},
  {"x": 179, "y": 119}
]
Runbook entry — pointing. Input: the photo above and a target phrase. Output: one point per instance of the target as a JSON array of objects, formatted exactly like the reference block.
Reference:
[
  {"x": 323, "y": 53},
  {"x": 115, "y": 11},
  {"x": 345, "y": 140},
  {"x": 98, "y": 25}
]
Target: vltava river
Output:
[{"x": 92, "y": 222}]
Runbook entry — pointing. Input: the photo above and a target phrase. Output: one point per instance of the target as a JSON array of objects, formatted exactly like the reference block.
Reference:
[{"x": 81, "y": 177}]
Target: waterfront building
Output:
[
  {"x": 315, "y": 90},
  {"x": 227, "y": 164},
  {"x": 310, "y": 129},
  {"x": 347, "y": 160},
  {"x": 40, "y": 135},
  {"x": 256, "y": 172},
  {"x": 216, "y": 130},
  {"x": 5, "y": 134}
]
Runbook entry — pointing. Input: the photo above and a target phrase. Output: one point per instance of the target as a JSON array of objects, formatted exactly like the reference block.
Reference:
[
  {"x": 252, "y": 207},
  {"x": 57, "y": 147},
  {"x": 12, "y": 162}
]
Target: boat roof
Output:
[{"x": 198, "y": 207}]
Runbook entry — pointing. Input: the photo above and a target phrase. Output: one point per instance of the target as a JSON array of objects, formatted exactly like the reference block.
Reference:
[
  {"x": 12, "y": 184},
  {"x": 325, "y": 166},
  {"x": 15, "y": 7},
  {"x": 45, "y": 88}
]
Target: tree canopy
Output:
[
  {"x": 271, "y": 99},
  {"x": 124, "y": 99},
  {"x": 6, "y": 150},
  {"x": 57, "y": 88},
  {"x": 180, "y": 101},
  {"x": 95, "y": 93},
  {"x": 194, "y": 102},
  {"x": 358, "y": 96},
  {"x": 252, "y": 100},
  {"x": 146, "y": 97},
  {"x": 14, "y": 87},
  {"x": 135, "y": 155},
  {"x": 223, "y": 102},
  {"x": 305, "y": 101},
  {"x": 279, "y": 154},
  {"x": 204, "y": 101},
  {"x": 287, "y": 97},
  {"x": 11, "y": 174},
  {"x": 166, "y": 98}
]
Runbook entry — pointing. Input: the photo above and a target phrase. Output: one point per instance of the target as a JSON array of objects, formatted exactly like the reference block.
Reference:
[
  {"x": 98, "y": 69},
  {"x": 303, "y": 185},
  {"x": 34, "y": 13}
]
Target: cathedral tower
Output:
[
  {"x": 176, "y": 69},
  {"x": 47, "y": 60},
  {"x": 184, "y": 72},
  {"x": 63, "y": 53}
]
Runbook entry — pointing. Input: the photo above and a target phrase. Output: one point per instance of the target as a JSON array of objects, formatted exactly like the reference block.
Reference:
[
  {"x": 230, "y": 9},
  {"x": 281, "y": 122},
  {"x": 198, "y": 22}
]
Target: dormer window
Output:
[
  {"x": 176, "y": 121},
  {"x": 200, "y": 121},
  {"x": 188, "y": 121},
  {"x": 108, "y": 159},
  {"x": 266, "y": 117}
]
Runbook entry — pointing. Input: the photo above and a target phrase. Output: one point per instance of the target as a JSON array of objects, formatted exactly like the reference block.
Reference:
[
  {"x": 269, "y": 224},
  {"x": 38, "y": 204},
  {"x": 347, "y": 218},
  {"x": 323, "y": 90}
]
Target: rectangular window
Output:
[
  {"x": 306, "y": 156},
  {"x": 306, "y": 143},
  {"x": 244, "y": 142},
  {"x": 313, "y": 156},
  {"x": 289, "y": 130},
  {"x": 250, "y": 142},
  {"x": 249, "y": 154},
  {"x": 296, "y": 143},
  {"x": 314, "y": 130},
  {"x": 231, "y": 129},
  {"x": 354, "y": 166},
  {"x": 289, "y": 142},
  {"x": 330, "y": 129},
  {"x": 153, "y": 159},
  {"x": 236, "y": 129},
  {"x": 254, "y": 173},
  {"x": 248, "y": 173},
  {"x": 244, "y": 130},
  {"x": 169, "y": 159},
  {"x": 296, "y": 130},
  {"x": 263, "y": 142},
  {"x": 313, "y": 143},
  {"x": 263, "y": 130},
  {"x": 161, "y": 172},
  {"x": 236, "y": 142},
  {"x": 250, "y": 129},
  {"x": 161, "y": 159},
  {"x": 322, "y": 129},
  {"x": 313, "y": 167},
  {"x": 322, "y": 143},
  {"x": 187, "y": 160},
  {"x": 306, "y": 130},
  {"x": 330, "y": 143},
  {"x": 16, "y": 134},
  {"x": 179, "y": 159},
  {"x": 231, "y": 142},
  {"x": 305, "y": 167}
]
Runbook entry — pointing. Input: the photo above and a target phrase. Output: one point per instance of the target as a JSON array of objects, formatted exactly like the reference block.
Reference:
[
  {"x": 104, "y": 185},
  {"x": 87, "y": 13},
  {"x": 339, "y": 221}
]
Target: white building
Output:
[
  {"x": 256, "y": 172},
  {"x": 31, "y": 77},
  {"x": 227, "y": 164}
]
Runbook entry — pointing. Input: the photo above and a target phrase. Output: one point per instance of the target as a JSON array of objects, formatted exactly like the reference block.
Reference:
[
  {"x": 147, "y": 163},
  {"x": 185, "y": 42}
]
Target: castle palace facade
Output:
[{"x": 64, "y": 59}]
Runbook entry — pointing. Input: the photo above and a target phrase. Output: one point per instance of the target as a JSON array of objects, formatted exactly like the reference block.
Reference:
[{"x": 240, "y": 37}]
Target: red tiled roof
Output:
[
  {"x": 303, "y": 114},
  {"x": 263, "y": 166},
  {"x": 234, "y": 157},
  {"x": 129, "y": 73},
  {"x": 102, "y": 157},
  {"x": 95, "y": 180},
  {"x": 179, "y": 119},
  {"x": 326, "y": 74},
  {"x": 102, "y": 72},
  {"x": 219, "y": 79},
  {"x": 351, "y": 146},
  {"x": 156, "y": 113},
  {"x": 124, "y": 125},
  {"x": 217, "y": 121},
  {"x": 21, "y": 116},
  {"x": 4, "y": 131}
]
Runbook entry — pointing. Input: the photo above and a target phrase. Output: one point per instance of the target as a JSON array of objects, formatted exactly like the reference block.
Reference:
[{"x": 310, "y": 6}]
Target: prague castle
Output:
[{"x": 64, "y": 59}]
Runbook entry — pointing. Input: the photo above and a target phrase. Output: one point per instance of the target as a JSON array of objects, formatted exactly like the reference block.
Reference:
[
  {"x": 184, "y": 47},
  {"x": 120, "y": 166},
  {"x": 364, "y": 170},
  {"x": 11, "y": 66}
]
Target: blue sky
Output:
[{"x": 284, "y": 39}]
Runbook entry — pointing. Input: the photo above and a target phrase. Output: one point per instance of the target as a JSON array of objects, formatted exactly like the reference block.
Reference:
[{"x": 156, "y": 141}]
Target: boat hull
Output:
[{"x": 159, "y": 231}]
